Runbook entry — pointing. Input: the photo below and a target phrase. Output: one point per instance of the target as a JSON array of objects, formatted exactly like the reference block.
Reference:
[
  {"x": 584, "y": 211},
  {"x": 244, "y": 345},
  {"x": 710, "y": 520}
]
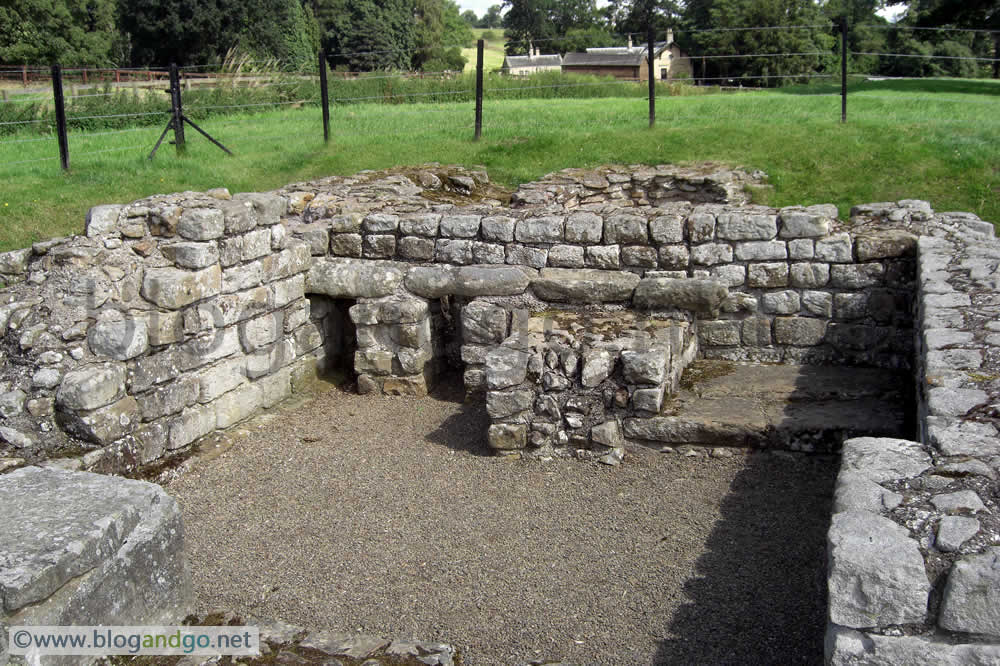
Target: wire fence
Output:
[{"x": 88, "y": 108}]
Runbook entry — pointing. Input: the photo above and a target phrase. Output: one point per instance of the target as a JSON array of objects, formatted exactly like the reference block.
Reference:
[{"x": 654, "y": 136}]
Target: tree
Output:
[
  {"x": 181, "y": 31},
  {"x": 470, "y": 18},
  {"x": 280, "y": 29},
  {"x": 492, "y": 18},
  {"x": 366, "y": 35},
  {"x": 439, "y": 29},
  {"x": 969, "y": 14},
  {"x": 543, "y": 21},
  {"x": 72, "y": 32}
]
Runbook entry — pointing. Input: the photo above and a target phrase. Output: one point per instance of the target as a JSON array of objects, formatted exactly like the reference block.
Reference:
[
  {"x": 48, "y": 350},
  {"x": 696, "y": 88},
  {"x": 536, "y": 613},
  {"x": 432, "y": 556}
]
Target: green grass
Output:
[
  {"x": 492, "y": 51},
  {"x": 898, "y": 143}
]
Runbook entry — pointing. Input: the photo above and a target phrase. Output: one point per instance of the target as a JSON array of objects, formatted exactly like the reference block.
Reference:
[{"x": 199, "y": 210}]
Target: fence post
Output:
[
  {"x": 843, "y": 69},
  {"x": 24, "y": 75},
  {"x": 176, "y": 109},
  {"x": 650, "y": 35},
  {"x": 57, "y": 97},
  {"x": 479, "y": 89},
  {"x": 324, "y": 96}
]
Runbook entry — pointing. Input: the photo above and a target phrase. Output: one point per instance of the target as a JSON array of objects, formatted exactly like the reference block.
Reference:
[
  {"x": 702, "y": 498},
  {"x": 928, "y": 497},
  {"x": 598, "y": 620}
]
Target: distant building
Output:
[
  {"x": 530, "y": 64},
  {"x": 631, "y": 62}
]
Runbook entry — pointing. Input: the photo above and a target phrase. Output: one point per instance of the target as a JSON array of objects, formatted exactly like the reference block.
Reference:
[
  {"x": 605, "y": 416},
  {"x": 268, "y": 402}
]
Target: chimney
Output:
[
  {"x": 670, "y": 36},
  {"x": 630, "y": 41}
]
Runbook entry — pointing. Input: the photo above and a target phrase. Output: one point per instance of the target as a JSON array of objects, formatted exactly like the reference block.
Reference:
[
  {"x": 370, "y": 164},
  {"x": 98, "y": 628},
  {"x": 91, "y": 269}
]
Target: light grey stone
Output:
[
  {"x": 818, "y": 303},
  {"x": 566, "y": 285},
  {"x": 91, "y": 387},
  {"x": 809, "y": 275},
  {"x": 847, "y": 647},
  {"x": 103, "y": 220},
  {"x": 756, "y": 332},
  {"x": 602, "y": 256},
  {"x": 192, "y": 424},
  {"x": 884, "y": 458},
  {"x": 346, "y": 245},
  {"x": 527, "y": 256},
  {"x": 856, "y": 492},
  {"x": 835, "y": 248},
  {"x": 719, "y": 333},
  {"x": 105, "y": 424},
  {"x": 169, "y": 398},
  {"x": 191, "y": 255},
  {"x": 488, "y": 253},
  {"x": 268, "y": 208},
  {"x": 710, "y": 254},
  {"x": 120, "y": 339},
  {"x": 648, "y": 399},
  {"x": 799, "y": 331},
  {"x": 507, "y": 436},
  {"x": 971, "y": 467},
  {"x": 767, "y": 275},
  {"x": 639, "y": 256},
  {"x": 698, "y": 295},
  {"x": 761, "y": 250},
  {"x": 431, "y": 281},
  {"x": 856, "y": 276},
  {"x": 963, "y": 500},
  {"x": 460, "y": 226},
  {"x": 453, "y": 251},
  {"x": 505, "y": 367},
  {"x": 173, "y": 288},
  {"x": 489, "y": 280},
  {"x": 700, "y": 225},
  {"x": 353, "y": 278},
  {"x": 876, "y": 575},
  {"x": 675, "y": 257},
  {"x": 940, "y": 338},
  {"x": 380, "y": 223},
  {"x": 885, "y": 244},
  {"x": 498, "y": 228},
  {"x": 971, "y": 601},
  {"x": 667, "y": 229},
  {"x": 746, "y": 226},
  {"x": 732, "y": 275},
  {"x": 504, "y": 404},
  {"x": 781, "y": 302},
  {"x": 237, "y": 405},
  {"x": 608, "y": 434},
  {"x": 645, "y": 367},
  {"x": 801, "y": 223},
  {"x": 483, "y": 323},
  {"x": 547, "y": 229},
  {"x": 953, "y": 531},
  {"x": 626, "y": 229},
  {"x": 381, "y": 246},
  {"x": 86, "y": 547},
  {"x": 944, "y": 401},
  {"x": 598, "y": 365},
  {"x": 566, "y": 256},
  {"x": 800, "y": 248},
  {"x": 256, "y": 244},
  {"x": 46, "y": 378},
  {"x": 17, "y": 439},
  {"x": 423, "y": 224},
  {"x": 201, "y": 224}
]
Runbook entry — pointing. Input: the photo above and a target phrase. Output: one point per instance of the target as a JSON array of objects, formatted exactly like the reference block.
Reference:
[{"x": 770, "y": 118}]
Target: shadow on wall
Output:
[{"x": 760, "y": 592}]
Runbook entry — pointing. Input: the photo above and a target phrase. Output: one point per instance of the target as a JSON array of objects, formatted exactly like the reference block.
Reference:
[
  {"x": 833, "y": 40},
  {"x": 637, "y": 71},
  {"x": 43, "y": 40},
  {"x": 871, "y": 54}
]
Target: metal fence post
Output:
[
  {"x": 59, "y": 102},
  {"x": 176, "y": 108},
  {"x": 324, "y": 95},
  {"x": 650, "y": 35},
  {"x": 479, "y": 89},
  {"x": 843, "y": 69}
]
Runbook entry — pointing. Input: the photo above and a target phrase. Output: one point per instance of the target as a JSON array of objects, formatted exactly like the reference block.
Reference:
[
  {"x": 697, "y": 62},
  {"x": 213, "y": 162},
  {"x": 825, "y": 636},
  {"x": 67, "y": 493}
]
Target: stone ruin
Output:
[{"x": 571, "y": 307}]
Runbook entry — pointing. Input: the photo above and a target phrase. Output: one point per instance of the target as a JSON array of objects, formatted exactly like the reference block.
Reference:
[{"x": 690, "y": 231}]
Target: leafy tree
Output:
[
  {"x": 439, "y": 29},
  {"x": 581, "y": 39},
  {"x": 73, "y": 32},
  {"x": 181, "y": 31},
  {"x": 969, "y": 14},
  {"x": 366, "y": 35},
  {"x": 470, "y": 18},
  {"x": 543, "y": 21},
  {"x": 281, "y": 29},
  {"x": 492, "y": 18}
]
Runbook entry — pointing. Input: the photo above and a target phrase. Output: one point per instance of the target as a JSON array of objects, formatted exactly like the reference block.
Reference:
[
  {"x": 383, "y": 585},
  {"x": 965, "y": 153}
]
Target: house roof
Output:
[
  {"x": 615, "y": 56},
  {"x": 514, "y": 62}
]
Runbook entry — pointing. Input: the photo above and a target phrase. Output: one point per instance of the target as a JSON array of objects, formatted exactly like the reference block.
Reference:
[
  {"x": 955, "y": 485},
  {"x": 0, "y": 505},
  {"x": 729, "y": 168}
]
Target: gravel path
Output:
[{"x": 383, "y": 516}]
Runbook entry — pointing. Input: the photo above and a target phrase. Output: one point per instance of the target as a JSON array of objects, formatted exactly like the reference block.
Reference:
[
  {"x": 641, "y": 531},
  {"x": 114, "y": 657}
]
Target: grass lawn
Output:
[
  {"x": 492, "y": 50},
  {"x": 901, "y": 141}
]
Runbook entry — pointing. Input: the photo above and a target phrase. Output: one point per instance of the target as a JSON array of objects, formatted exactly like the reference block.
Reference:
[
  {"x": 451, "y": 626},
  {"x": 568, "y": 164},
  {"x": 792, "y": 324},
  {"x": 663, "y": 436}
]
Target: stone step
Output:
[{"x": 804, "y": 408}]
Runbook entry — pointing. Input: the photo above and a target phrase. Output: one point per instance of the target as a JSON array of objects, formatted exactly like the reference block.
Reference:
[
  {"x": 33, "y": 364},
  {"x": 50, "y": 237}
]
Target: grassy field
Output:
[
  {"x": 492, "y": 51},
  {"x": 904, "y": 139}
]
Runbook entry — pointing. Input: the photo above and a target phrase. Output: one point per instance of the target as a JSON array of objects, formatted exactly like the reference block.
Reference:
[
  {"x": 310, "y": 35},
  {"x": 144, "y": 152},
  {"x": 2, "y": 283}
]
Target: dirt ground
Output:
[{"x": 387, "y": 516}]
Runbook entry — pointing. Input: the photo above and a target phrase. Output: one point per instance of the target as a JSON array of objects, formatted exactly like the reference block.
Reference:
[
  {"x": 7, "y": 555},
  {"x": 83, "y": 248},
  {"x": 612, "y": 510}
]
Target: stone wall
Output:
[{"x": 914, "y": 544}]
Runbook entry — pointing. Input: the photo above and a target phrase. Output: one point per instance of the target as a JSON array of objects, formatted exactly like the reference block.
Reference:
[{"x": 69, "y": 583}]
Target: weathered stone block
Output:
[
  {"x": 483, "y": 323},
  {"x": 460, "y": 226},
  {"x": 850, "y": 306},
  {"x": 490, "y": 281},
  {"x": 835, "y": 248},
  {"x": 91, "y": 387},
  {"x": 856, "y": 276},
  {"x": 719, "y": 333},
  {"x": 269, "y": 208},
  {"x": 380, "y": 223},
  {"x": 219, "y": 379},
  {"x": 809, "y": 274},
  {"x": 710, "y": 254},
  {"x": 201, "y": 224},
  {"x": 169, "y": 398},
  {"x": 818, "y": 303},
  {"x": 453, "y": 251},
  {"x": 648, "y": 399},
  {"x": 245, "y": 276},
  {"x": 798, "y": 222},
  {"x": 353, "y": 279},
  {"x": 583, "y": 227},
  {"x": 800, "y": 248},
  {"x": 547, "y": 229},
  {"x": 746, "y": 226},
  {"x": 527, "y": 256},
  {"x": 731, "y": 275},
  {"x": 761, "y": 251},
  {"x": 781, "y": 302},
  {"x": 602, "y": 256},
  {"x": 885, "y": 244},
  {"x": 699, "y": 295},
  {"x": 346, "y": 245},
  {"x": 701, "y": 226},
  {"x": 256, "y": 244},
  {"x": 626, "y": 229},
  {"x": 507, "y": 436},
  {"x": 498, "y": 228},
  {"x": 239, "y": 216},
  {"x": 120, "y": 339},
  {"x": 667, "y": 229},
  {"x": 767, "y": 276},
  {"x": 237, "y": 405},
  {"x": 431, "y": 281},
  {"x": 423, "y": 224},
  {"x": 505, "y": 404},
  {"x": 103, "y": 220},
  {"x": 488, "y": 253},
  {"x": 505, "y": 367},
  {"x": 104, "y": 424},
  {"x": 799, "y": 331},
  {"x": 598, "y": 364},
  {"x": 645, "y": 367},
  {"x": 756, "y": 332},
  {"x": 639, "y": 256},
  {"x": 566, "y": 256},
  {"x": 191, "y": 255},
  {"x": 583, "y": 285},
  {"x": 193, "y": 423},
  {"x": 416, "y": 248},
  {"x": 378, "y": 247},
  {"x": 173, "y": 288},
  {"x": 674, "y": 257}
]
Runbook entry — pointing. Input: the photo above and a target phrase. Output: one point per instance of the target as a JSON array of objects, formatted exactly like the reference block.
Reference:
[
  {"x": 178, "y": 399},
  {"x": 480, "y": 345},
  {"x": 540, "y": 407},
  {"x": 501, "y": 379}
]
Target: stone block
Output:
[
  {"x": 269, "y": 208},
  {"x": 731, "y": 275},
  {"x": 103, "y": 221},
  {"x": 818, "y": 303},
  {"x": 566, "y": 256},
  {"x": 191, "y": 424},
  {"x": 475, "y": 281},
  {"x": 453, "y": 251},
  {"x": 667, "y": 229},
  {"x": 346, "y": 245},
  {"x": 169, "y": 398},
  {"x": 460, "y": 226},
  {"x": 237, "y": 405},
  {"x": 710, "y": 254},
  {"x": 625, "y": 229},
  {"x": 700, "y": 226},
  {"x": 281, "y": 293},
  {"x": 746, "y": 227},
  {"x": 91, "y": 387},
  {"x": 648, "y": 399},
  {"x": 483, "y": 323},
  {"x": 416, "y": 248},
  {"x": 245, "y": 276},
  {"x": 507, "y": 436},
  {"x": 719, "y": 333},
  {"x": 801, "y": 248},
  {"x": 506, "y": 404},
  {"x": 565, "y": 285},
  {"x": 104, "y": 424},
  {"x": 645, "y": 367},
  {"x": 527, "y": 256},
  {"x": 422, "y": 224},
  {"x": 256, "y": 244},
  {"x": 505, "y": 367},
  {"x": 835, "y": 248},
  {"x": 191, "y": 255},
  {"x": 120, "y": 339},
  {"x": 602, "y": 256},
  {"x": 219, "y": 379},
  {"x": 231, "y": 251},
  {"x": 639, "y": 256},
  {"x": 809, "y": 275},
  {"x": 598, "y": 364},
  {"x": 761, "y": 250},
  {"x": 781, "y": 302},
  {"x": 799, "y": 331},
  {"x": 767, "y": 275},
  {"x": 201, "y": 224},
  {"x": 856, "y": 276},
  {"x": 885, "y": 244},
  {"x": 239, "y": 216},
  {"x": 674, "y": 257},
  {"x": 846, "y": 647},
  {"x": 498, "y": 228},
  {"x": 380, "y": 223},
  {"x": 584, "y": 227},
  {"x": 173, "y": 288},
  {"x": 799, "y": 222},
  {"x": 346, "y": 278},
  {"x": 548, "y": 229},
  {"x": 756, "y": 332},
  {"x": 378, "y": 246},
  {"x": 850, "y": 306},
  {"x": 698, "y": 295},
  {"x": 431, "y": 281},
  {"x": 488, "y": 253}
]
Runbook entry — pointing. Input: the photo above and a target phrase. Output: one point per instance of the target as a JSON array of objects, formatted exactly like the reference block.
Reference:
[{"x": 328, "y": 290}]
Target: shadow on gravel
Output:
[
  {"x": 760, "y": 592},
  {"x": 466, "y": 430}
]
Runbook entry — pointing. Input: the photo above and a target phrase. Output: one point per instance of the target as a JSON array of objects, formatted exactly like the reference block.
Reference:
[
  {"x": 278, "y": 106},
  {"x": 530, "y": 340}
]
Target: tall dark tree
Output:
[
  {"x": 74, "y": 32},
  {"x": 181, "y": 31},
  {"x": 969, "y": 14},
  {"x": 542, "y": 22},
  {"x": 366, "y": 35},
  {"x": 492, "y": 18}
]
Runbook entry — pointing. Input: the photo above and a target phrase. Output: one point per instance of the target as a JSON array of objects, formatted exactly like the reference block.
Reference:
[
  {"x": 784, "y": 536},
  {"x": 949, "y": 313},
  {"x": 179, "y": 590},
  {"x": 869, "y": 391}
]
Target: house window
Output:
[{"x": 663, "y": 73}]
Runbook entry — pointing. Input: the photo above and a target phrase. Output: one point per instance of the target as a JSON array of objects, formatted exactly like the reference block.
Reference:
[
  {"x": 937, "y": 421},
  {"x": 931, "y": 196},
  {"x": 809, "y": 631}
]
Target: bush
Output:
[{"x": 488, "y": 36}]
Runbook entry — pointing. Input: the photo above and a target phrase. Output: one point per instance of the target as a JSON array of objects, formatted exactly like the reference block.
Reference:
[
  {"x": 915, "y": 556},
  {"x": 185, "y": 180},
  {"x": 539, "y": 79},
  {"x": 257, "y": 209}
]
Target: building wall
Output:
[{"x": 597, "y": 70}]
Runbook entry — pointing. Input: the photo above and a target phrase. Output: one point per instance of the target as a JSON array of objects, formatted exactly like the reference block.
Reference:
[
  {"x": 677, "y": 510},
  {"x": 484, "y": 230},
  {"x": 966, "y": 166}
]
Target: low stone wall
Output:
[
  {"x": 914, "y": 544},
  {"x": 87, "y": 549}
]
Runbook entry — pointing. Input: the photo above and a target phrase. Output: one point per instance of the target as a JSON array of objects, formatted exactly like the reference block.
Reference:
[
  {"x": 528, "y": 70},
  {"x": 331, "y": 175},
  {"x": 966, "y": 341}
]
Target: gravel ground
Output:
[{"x": 385, "y": 516}]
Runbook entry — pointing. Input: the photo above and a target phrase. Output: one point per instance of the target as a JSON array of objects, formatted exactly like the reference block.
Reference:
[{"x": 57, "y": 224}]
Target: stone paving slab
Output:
[{"x": 798, "y": 407}]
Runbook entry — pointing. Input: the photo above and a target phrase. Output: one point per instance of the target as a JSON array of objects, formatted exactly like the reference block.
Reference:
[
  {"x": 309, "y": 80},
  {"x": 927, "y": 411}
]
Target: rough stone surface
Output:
[
  {"x": 688, "y": 294},
  {"x": 583, "y": 285},
  {"x": 971, "y": 600}
]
